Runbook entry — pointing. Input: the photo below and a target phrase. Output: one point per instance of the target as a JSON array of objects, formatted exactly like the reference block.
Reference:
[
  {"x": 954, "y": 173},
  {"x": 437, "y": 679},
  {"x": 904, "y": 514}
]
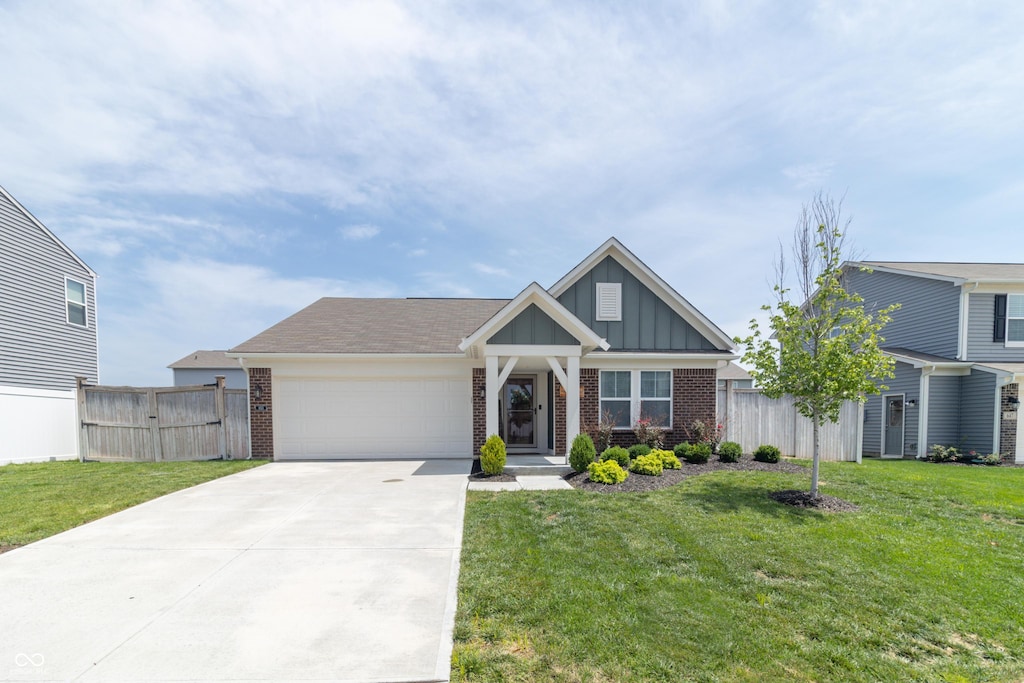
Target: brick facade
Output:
[
  {"x": 1008, "y": 428},
  {"x": 479, "y": 410},
  {"x": 261, "y": 414}
]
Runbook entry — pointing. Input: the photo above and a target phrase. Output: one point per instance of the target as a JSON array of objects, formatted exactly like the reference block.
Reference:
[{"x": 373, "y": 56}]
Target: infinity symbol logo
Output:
[{"x": 22, "y": 659}]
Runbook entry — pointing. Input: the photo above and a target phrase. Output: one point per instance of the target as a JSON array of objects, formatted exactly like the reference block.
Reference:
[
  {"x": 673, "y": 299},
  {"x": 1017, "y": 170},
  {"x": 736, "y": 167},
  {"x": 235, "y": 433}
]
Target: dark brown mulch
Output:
[
  {"x": 640, "y": 482},
  {"x": 480, "y": 476},
  {"x": 803, "y": 499}
]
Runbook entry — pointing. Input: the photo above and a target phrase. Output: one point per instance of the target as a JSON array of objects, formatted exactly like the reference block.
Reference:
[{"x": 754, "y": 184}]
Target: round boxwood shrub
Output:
[
  {"x": 668, "y": 459},
  {"x": 582, "y": 452},
  {"x": 681, "y": 450},
  {"x": 698, "y": 453},
  {"x": 638, "y": 450},
  {"x": 647, "y": 464},
  {"x": 607, "y": 472},
  {"x": 767, "y": 453},
  {"x": 729, "y": 451},
  {"x": 492, "y": 455},
  {"x": 618, "y": 454}
]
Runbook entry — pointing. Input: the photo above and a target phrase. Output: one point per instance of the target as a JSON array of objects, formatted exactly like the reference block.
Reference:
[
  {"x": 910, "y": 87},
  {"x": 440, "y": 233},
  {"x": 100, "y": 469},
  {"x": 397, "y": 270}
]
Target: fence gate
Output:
[{"x": 139, "y": 424}]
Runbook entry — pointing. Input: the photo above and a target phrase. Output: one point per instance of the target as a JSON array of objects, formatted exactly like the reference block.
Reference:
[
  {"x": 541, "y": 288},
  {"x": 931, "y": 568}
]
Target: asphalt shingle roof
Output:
[
  {"x": 966, "y": 271},
  {"x": 341, "y": 325},
  {"x": 204, "y": 359}
]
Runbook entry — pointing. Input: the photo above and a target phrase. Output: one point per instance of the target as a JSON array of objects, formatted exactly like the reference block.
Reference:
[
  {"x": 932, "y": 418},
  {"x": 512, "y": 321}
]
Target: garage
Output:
[{"x": 353, "y": 418}]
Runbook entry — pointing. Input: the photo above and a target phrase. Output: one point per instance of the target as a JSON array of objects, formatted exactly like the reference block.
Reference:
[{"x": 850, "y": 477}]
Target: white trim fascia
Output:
[
  {"x": 922, "y": 412},
  {"x": 652, "y": 281},
  {"x": 901, "y": 271},
  {"x": 722, "y": 356},
  {"x": 998, "y": 286},
  {"x": 241, "y": 356},
  {"x": 1002, "y": 376},
  {"x": 903, "y": 429},
  {"x": 35, "y": 221},
  {"x": 919, "y": 363},
  {"x": 535, "y": 294},
  {"x": 530, "y": 350},
  {"x": 997, "y": 418},
  {"x": 965, "y": 313}
]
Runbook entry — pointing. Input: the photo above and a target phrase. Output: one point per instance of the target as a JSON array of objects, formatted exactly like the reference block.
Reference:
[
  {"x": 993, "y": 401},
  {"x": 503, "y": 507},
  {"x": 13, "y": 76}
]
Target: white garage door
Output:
[{"x": 372, "y": 418}]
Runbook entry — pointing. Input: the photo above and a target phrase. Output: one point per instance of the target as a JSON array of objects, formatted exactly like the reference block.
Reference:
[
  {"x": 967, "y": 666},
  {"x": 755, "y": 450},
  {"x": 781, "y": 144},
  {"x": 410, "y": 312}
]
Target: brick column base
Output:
[{"x": 261, "y": 414}]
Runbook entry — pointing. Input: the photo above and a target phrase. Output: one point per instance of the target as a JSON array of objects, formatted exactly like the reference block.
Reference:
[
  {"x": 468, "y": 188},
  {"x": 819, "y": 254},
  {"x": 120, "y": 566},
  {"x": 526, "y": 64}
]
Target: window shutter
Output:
[
  {"x": 609, "y": 301},
  {"x": 999, "y": 325}
]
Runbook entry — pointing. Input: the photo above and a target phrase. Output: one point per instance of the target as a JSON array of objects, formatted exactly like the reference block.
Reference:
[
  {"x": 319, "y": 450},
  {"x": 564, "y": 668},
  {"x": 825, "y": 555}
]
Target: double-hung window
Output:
[
  {"x": 1015, "y": 318},
  {"x": 74, "y": 296},
  {"x": 629, "y": 395}
]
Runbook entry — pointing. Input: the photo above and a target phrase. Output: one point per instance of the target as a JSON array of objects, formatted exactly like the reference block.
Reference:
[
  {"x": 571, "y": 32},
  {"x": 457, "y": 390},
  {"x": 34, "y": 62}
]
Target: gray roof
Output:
[
  {"x": 1013, "y": 368},
  {"x": 334, "y": 325},
  {"x": 733, "y": 371},
  {"x": 1001, "y": 272},
  {"x": 205, "y": 358},
  {"x": 917, "y": 355}
]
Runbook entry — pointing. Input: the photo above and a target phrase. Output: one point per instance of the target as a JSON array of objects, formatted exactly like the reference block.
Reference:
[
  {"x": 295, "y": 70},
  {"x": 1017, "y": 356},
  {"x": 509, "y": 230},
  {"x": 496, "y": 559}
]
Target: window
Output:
[
  {"x": 74, "y": 294},
  {"x": 609, "y": 301},
  {"x": 628, "y": 395},
  {"x": 1015, "y": 318}
]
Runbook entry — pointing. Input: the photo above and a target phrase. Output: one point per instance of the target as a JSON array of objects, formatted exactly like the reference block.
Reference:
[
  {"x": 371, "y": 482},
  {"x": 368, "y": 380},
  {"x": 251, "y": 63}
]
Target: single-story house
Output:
[
  {"x": 203, "y": 367},
  {"x": 394, "y": 378}
]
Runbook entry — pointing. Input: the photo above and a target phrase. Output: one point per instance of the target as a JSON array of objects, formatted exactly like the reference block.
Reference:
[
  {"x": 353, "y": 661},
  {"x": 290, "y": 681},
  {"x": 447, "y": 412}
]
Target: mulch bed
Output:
[
  {"x": 480, "y": 476},
  {"x": 803, "y": 499},
  {"x": 640, "y": 482}
]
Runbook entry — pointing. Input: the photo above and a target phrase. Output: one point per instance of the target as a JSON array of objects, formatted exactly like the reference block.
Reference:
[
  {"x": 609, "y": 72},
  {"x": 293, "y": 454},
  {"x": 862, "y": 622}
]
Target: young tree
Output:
[{"x": 828, "y": 345}]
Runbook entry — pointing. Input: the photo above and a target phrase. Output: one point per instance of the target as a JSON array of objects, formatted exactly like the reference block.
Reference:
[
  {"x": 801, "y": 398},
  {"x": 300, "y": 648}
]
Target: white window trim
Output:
[
  {"x": 602, "y": 290},
  {"x": 1007, "y": 343},
  {"x": 635, "y": 399},
  {"x": 84, "y": 304}
]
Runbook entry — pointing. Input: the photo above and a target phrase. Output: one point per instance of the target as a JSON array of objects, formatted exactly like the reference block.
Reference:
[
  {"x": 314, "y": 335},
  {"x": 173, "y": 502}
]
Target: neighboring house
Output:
[
  {"x": 731, "y": 377},
  {"x": 394, "y": 378},
  {"x": 958, "y": 342},
  {"x": 47, "y": 337},
  {"x": 203, "y": 367}
]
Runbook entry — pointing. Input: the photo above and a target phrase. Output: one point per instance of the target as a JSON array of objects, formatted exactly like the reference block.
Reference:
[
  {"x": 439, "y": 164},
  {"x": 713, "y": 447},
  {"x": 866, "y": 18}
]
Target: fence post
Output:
[
  {"x": 154, "y": 425},
  {"x": 221, "y": 406},
  {"x": 83, "y": 436}
]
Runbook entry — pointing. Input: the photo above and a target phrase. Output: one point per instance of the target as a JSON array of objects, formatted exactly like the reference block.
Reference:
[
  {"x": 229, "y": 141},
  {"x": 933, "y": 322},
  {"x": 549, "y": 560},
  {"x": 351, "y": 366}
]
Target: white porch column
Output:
[
  {"x": 572, "y": 401},
  {"x": 491, "y": 395}
]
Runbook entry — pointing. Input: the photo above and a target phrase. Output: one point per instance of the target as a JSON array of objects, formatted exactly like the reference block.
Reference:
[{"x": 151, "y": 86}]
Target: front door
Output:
[
  {"x": 893, "y": 432},
  {"x": 520, "y": 412}
]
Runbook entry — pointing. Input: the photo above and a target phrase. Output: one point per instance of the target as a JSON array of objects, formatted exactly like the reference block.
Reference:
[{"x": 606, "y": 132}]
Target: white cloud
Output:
[
  {"x": 485, "y": 269},
  {"x": 360, "y": 232}
]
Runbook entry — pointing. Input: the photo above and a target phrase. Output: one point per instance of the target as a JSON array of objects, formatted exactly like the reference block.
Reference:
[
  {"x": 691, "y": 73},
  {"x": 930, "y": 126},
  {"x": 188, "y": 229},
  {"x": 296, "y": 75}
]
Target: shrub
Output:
[
  {"x": 992, "y": 459},
  {"x": 607, "y": 472},
  {"x": 649, "y": 432},
  {"x": 618, "y": 454},
  {"x": 582, "y": 453},
  {"x": 492, "y": 455},
  {"x": 638, "y": 450},
  {"x": 647, "y": 464},
  {"x": 698, "y": 454},
  {"x": 767, "y": 453},
  {"x": 668, "y": 459},
  {"x": 681, "y": 450},
  {"x": 729, "y": 451},
  {"x": 701, "y": 432},
  {"x": 940, "y": 453}
]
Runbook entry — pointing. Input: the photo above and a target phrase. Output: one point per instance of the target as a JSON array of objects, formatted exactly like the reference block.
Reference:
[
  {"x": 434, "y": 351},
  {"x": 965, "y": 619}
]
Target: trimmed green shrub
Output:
[
  {"x": 582, "y": 453},
  {"x": 647, "y": 464},
  {"x": 767, "y": 453},
  {"x": 992, "y": 459},
  {"x": 668, "y": 459},
  {"x": 492, "y": 455},
  {"x": 618, "y": 454},
  {"x": 638, "y": 450},
  {"x": 698, "y": 453},
  {"x": 607, "y": 472},
  {"x": 729, "y": 451},
  {"x": 682, "y": 449}
]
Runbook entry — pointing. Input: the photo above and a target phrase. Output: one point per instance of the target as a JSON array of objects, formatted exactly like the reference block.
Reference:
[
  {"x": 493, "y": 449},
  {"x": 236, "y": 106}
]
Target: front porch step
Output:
[{"x": 536, "y": 465}]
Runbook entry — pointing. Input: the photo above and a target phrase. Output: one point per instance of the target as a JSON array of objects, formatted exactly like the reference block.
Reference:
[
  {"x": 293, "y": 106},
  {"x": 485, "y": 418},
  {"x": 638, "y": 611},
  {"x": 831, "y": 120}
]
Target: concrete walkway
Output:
[
  {"x": 524, "y": 483},
  {"x": 339, "y": 571}
]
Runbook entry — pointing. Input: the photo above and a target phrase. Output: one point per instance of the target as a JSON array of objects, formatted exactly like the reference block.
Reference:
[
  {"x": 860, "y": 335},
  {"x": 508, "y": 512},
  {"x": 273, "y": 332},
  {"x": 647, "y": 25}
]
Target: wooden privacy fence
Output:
[
  {"x": 145, "y": 424},
  {"x": 752, "y": 419}
]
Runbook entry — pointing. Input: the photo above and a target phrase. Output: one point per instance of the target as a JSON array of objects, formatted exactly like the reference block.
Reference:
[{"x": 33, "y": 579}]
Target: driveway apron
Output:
[{"x": 341, "y": 571}]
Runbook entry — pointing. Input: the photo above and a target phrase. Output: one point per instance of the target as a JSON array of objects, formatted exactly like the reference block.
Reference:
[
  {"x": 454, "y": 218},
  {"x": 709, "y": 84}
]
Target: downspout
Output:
[
  {"x": 922, "y": 411},
  {"x": 965, "y": 311}
]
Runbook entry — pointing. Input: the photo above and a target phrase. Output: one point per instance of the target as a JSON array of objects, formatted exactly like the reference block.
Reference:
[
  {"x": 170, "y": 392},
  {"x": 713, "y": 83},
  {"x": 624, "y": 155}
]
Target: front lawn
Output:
[
  {"x": 39, "y": 500},
  {"x": 711, "y": 580}
]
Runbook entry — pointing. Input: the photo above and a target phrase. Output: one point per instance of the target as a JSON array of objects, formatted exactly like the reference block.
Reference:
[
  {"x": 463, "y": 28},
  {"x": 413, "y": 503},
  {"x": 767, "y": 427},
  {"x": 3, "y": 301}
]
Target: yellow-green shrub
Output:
[
  {"x": 647, "y": 464},
  {"x": 492, "y": 455},
  {"x": 668, "y": 459},
  {"x": 607, "y": 472}
]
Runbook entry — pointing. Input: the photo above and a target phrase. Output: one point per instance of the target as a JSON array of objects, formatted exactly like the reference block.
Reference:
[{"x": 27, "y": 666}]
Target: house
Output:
[
  {"x": 47, "y": 337},
  {"x": 394, "y": 378},
  {"x": 203, "y": 367},
  {"x": 958, "y": 342}
]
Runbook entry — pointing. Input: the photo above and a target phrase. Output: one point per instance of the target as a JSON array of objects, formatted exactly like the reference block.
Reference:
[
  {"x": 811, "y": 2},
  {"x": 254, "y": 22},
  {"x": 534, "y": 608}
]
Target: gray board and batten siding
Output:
[
  {"x": 980, "y": 320},
  {"x": 648, "y": 324},
  {"x": 928, "y": 319},
  {"x": 533, "y": 326},
  {"x": 40, "y": 348},
  {"x": 977, "y": 411},
  {"x": 907, "y": 382},
  {"x": 943, "y": 410}
]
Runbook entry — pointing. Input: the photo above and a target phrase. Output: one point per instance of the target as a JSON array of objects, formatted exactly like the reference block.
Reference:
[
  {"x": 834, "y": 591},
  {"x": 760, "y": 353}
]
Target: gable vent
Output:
[{"x": 609, "y": 301}]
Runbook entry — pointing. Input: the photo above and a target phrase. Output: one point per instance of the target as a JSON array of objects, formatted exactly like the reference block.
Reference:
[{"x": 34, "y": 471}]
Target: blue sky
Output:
[{"x": 222, "y": 165}]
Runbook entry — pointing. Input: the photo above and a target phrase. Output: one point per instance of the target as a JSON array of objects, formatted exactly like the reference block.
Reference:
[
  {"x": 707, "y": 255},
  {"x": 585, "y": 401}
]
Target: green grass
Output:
[
  {"x": 711, "y": 580},
  {"x": 39, "y": 500}
]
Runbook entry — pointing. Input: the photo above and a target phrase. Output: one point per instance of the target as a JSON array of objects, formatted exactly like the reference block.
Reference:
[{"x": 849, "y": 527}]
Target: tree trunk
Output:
[{"x": 817, "y": 455}]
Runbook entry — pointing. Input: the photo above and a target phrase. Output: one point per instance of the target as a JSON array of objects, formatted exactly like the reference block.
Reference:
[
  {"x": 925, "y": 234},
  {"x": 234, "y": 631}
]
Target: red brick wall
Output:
[
  {"x": 479, "y": 410},
  {"x": 261, "y": 414},
  {"x": 1008, "y": 428},
  {"x": 561, "y": 448}
]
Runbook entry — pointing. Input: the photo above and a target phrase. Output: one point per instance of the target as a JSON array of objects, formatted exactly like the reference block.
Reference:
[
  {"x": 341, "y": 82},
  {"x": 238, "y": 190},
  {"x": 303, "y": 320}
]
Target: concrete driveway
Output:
[{"x": 341, "y": 571}]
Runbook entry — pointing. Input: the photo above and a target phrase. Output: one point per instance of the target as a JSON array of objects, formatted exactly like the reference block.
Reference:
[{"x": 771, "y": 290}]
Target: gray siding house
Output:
[
  {"x": 203, "y": 367},
  {"x": 47, "y": 337},
  {"x": 958, "y": 342}
]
